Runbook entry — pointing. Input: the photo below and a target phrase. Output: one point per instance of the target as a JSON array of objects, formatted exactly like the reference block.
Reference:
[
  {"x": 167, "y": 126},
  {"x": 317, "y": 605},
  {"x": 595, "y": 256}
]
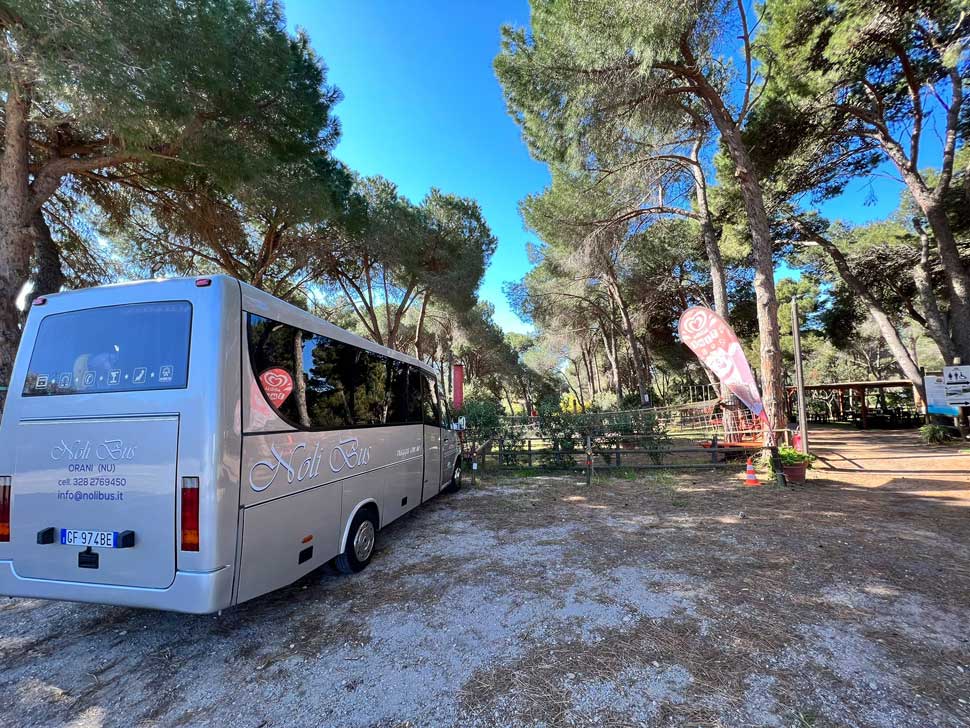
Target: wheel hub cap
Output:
[{"x": 364, "y": 541}]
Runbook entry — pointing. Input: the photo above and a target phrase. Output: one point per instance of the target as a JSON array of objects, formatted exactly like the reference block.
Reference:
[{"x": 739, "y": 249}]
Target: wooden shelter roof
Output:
[{"x": 874, "y": 384}]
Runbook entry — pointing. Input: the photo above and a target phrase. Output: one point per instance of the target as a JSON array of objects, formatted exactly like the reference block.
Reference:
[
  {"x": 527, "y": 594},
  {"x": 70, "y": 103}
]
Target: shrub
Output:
[
  {"x": 790, "y": 456},
  {"x": 935, "y": 434},
  {"x": 483, "y": 415}
]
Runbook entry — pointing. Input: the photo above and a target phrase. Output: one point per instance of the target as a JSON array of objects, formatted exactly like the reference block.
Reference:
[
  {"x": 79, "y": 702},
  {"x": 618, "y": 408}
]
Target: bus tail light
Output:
[
  {"x": 5, "y": 507},
  {"x": 190, "y": 514}
]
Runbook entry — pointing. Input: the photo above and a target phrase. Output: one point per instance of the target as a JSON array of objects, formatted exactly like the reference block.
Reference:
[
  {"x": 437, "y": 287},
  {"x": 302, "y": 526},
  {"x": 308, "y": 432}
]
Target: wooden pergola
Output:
[{"x": 859, "y": 389}]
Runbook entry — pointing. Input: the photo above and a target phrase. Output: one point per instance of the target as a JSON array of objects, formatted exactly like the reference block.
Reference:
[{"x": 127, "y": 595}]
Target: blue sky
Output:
[{"x": 423, "y": 108}]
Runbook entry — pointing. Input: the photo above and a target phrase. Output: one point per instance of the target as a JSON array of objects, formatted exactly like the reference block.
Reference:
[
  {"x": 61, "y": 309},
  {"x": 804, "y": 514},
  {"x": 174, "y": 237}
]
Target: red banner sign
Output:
[
  {"x": 715, "y": 343},
  {"x": 277, "y": 384}
]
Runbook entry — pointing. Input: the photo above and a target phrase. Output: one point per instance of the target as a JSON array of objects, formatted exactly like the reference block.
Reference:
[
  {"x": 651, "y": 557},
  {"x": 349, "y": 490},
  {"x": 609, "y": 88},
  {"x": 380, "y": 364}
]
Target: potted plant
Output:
[{"x": 794, "y": 463}]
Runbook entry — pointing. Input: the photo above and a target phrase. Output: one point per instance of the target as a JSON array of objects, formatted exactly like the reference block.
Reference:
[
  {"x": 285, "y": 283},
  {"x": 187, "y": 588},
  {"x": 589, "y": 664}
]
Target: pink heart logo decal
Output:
[{"x": 277, "y": 384}]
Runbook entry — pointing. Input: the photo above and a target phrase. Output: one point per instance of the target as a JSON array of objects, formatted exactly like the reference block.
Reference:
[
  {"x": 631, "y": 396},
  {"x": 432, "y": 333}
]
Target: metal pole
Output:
[{"x": 799, "y": 376}]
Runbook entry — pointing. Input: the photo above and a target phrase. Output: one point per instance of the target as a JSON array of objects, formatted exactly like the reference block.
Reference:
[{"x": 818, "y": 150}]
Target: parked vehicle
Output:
[{"x": 190, "y": 444}]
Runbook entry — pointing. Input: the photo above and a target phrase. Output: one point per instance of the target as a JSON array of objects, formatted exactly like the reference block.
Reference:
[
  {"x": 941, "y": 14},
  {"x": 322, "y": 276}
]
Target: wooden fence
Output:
[{"x": 590, "y": 453}]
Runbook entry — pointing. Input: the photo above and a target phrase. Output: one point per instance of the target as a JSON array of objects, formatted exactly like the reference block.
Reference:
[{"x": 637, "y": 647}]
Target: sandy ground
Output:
[{"x": 680, "y": 599}]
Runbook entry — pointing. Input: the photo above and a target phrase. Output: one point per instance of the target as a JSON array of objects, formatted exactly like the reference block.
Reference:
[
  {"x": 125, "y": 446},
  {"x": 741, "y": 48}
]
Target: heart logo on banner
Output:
[{"x": 277, "y": 384}]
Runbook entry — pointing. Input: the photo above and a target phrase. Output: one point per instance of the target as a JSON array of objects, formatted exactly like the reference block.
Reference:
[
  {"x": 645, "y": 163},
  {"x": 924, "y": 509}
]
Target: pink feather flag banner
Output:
[{"x": 714, "y": 342}]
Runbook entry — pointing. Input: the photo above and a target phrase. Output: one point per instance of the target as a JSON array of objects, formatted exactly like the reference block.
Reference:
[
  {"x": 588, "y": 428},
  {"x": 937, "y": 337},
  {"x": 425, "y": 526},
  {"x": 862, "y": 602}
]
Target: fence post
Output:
[
  {"x": 589, "y": 461},
  {"x": 474, "y": 460},
  {"x": 501, "y": 455},
  {"x": 618, "y": 461},
  {"x": 529, "y": 441},
  {"x": 714, "y": 448}
]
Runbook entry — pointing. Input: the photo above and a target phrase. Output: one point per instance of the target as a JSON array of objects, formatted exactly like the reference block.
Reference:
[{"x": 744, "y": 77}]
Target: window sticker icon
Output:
[
  {"x": 138, "y": 375},
  {"x": 165, "y": 373},
  {"x": 88, "y": 379},
  {"x": 114, "y": 376},
  {"x": 41, "y": 382},
  {"x": 64, "y": 381}
]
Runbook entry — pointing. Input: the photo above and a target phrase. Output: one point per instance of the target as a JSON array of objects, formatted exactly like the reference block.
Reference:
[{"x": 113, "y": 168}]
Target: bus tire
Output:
[
  {"x": 361, "y": 539},
  {"x": 455, "y": 485}
]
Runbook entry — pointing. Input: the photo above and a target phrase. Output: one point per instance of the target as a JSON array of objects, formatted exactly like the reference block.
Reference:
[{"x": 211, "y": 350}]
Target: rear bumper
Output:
[{"x": 192, "y": 591}]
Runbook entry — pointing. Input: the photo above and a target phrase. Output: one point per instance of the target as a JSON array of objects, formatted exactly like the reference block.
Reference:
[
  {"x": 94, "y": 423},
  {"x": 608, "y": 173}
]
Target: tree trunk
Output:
[
  {"x": 16, "y": 235},
  {"x": 299, "y": 381},
  {"x": 711, "y": 247},
  {"x": 526, "y": 397},
  {"x": 936, "y": 325},
  {"x": 588, "y": 369},
  {"x": 47, "y": 258},
  {"x": 764, "y": 270},
  {"x": 957, "y": 279},
  {"x": 579, "y": 383},
  {"x": 638, "y": 367},
  {"x": 420, "y": 329},
  {"x": 609, "y": 344}
]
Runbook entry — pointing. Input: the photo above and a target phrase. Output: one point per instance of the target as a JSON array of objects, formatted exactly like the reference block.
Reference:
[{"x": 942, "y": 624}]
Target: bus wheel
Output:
[
  {"x": 455, "y": 485},
  {"x": 360, "y": 544}
]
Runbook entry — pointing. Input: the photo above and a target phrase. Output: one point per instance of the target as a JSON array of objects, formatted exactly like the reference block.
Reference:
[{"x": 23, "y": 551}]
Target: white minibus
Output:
[{"x": 189, "y": 444}]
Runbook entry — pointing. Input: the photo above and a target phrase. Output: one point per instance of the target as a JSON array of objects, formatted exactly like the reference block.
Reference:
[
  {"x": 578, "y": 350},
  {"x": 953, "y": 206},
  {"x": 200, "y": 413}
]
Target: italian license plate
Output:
[{"x": 101, "y": 539}]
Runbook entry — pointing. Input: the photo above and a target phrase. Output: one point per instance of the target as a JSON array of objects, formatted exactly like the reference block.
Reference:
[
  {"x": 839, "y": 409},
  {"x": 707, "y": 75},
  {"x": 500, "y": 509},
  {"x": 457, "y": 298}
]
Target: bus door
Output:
[
  {"x": 432, "y": 438},
  {"x": 449, "y": 443}
]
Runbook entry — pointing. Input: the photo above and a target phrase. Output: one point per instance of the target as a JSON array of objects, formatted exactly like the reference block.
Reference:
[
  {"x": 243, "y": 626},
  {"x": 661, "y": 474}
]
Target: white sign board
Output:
[
  {"x": 936, "y": 397},
  {"x": 956, "y": 380}
]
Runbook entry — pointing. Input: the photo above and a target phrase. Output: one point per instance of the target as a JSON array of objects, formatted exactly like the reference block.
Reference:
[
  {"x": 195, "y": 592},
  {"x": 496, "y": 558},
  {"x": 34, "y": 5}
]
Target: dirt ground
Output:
[{"x": 670, "y": 599}]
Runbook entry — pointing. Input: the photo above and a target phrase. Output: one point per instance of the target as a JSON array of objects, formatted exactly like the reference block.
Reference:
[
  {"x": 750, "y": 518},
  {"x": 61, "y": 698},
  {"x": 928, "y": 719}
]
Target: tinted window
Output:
[
  {"x": 320, "y": 383},
  {"x": 140, "y": 346},
  {"x": 371, "y": 394},
  {"x": 445, "y": 411},
  {"x": 397, "y": 373},
  {"x": 429, "y": 402},
  {"x": 414, "y": 394}
]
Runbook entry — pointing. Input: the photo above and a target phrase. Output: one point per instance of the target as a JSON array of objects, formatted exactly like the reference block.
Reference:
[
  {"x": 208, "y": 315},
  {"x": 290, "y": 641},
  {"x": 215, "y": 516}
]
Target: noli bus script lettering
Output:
[
  {"x": 346, "y": 455},
  {"x": 115, "y": 450}
]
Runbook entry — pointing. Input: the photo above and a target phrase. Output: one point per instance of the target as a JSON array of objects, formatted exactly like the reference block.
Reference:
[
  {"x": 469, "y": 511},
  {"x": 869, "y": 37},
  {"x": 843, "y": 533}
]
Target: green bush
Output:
[
  {"x": 483, "y": 415},
  {"x": 563, "y": 430},
  {"x": 790, "y": 456},
  {"x": 935, "y": 434}
]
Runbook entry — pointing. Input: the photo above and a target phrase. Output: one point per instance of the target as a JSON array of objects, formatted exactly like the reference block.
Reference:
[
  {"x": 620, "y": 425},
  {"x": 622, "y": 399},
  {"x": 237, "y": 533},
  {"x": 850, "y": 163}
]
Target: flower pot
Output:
[{"x": 795, "y": 473}]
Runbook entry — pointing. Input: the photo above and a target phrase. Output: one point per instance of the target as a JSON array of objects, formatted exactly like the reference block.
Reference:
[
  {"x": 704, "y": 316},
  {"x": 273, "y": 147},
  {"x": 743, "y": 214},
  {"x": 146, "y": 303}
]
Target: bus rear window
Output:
[{"x": 139, "y": 346}]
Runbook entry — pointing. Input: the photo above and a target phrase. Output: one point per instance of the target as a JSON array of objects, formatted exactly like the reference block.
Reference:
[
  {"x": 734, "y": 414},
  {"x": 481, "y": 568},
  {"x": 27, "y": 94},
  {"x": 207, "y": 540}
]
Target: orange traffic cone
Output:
[{"x": 750, "y": 477}]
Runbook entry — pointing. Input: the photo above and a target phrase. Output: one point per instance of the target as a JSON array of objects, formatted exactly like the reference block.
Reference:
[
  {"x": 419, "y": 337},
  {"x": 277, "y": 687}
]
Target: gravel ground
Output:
[{"x": 664, "y": 600}]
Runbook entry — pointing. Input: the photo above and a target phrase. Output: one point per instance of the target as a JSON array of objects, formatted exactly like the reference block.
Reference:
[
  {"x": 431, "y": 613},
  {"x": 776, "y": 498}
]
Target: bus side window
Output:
[
  {"x": 397, "y": 393},
  {"x": 415, "y": 409},
  {"x": 445, "y": 409},
  {"x": 429, "y": 402}
]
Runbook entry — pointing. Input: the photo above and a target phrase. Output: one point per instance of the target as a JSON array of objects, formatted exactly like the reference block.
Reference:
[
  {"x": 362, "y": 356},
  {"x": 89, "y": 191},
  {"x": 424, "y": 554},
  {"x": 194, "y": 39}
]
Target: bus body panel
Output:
[
  {"x": 450, "y": 449},
  {"x": 286, "y": 463},
  {"x": 194, "y": 592},
  {"x": 286, "y": 538},
  {"x": 113, "y": 476},
  {"x": 432, "y": 463},
  {"x": 402, "y": 487}
]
